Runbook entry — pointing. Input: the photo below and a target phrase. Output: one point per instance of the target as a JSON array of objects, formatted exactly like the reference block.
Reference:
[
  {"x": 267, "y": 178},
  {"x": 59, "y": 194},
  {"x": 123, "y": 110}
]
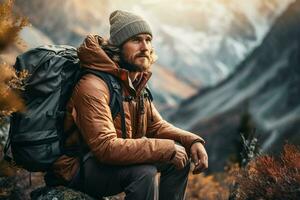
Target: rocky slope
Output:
[{"x": 265, "y": 87}]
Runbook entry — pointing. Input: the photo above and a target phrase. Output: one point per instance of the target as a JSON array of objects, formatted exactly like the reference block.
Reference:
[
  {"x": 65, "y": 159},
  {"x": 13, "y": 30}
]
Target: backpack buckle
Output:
[{"x": 128, "y": 98}]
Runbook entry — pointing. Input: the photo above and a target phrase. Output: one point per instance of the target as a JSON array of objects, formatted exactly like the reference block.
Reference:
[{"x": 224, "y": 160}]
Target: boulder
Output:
[{"x": 58, "y": 193}]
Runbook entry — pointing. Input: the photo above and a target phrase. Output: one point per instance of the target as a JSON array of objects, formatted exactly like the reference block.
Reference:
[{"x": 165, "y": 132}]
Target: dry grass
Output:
[
  {"x": 212, "y": 187},
  {"x": 264, "y": 178},
  {"x": 10, "y": 82},
  {"x": 10, "y": 26},
  {"x": 269, "y": 177}
]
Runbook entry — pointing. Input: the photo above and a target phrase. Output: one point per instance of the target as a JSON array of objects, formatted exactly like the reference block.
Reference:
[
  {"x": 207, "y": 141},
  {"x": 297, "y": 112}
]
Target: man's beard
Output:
[{"x": 130, "y": 67}]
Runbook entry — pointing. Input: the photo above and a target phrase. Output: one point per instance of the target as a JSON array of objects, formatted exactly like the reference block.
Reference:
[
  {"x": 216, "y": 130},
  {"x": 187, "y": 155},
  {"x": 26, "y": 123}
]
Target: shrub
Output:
[
  {"x": 10, "y": 26},
  {"x": 263, "y": 178},
  {"x": 268, "y": 177}
]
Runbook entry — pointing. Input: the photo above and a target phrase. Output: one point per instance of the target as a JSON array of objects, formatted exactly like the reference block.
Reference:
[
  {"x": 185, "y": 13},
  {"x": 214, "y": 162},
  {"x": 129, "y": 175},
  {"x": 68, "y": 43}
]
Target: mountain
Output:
[
  {"x": 65, "y": 22},
  {"x": 203, "y": 41},
  {"x": 200, "y": 41},
  {"x": 33, "y": 37},
  {"x": 167, "y": 89},
  {"x": 264, "y": 89},
  {"x": 68, "y": 22}
]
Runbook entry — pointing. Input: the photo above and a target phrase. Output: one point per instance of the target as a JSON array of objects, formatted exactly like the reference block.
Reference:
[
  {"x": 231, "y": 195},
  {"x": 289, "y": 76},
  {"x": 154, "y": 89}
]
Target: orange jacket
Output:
[{"x": 149, "y": 138}]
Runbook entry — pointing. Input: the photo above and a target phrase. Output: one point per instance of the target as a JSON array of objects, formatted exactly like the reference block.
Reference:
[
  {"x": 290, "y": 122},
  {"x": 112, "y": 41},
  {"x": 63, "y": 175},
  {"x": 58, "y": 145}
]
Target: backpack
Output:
[{"x": 36, "y": 137}]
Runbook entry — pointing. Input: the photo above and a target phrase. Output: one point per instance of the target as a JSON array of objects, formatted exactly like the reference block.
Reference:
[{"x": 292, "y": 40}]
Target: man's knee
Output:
[
  {"x": 148, "y": 171},
  {"x": 145, "y": 173}
]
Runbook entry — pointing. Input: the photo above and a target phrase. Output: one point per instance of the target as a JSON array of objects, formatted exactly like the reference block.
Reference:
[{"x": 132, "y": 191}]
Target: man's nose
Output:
[{"x": 145, "y": 46}]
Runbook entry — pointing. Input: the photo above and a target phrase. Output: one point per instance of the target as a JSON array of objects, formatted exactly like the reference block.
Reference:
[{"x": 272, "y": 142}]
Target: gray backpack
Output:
[{"x": 36, "y": 137}]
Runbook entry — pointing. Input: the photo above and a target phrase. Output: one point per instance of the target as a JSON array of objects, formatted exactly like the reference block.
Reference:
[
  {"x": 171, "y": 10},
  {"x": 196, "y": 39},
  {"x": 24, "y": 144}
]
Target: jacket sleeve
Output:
[
  {"x": 159, "y": 128},
  {"x": 94, "y": 120}
]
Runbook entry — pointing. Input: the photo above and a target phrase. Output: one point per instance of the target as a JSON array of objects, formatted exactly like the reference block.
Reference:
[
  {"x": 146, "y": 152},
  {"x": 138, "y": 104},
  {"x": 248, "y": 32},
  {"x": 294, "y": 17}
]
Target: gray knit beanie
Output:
[{"x": 124, "y": 25}]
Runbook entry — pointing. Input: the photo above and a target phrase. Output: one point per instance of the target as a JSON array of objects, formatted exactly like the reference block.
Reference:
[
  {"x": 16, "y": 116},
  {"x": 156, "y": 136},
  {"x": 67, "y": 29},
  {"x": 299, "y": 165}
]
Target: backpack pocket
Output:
[{"x": 36, "y": 155}]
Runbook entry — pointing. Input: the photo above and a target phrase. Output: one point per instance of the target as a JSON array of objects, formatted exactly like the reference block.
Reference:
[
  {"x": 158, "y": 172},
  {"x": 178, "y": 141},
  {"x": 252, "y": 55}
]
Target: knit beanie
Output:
[{"x": 124, "y": 25}]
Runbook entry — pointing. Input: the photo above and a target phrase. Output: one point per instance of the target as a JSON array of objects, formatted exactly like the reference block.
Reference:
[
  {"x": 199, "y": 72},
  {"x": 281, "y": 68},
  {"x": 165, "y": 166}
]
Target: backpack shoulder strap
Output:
[
  {"x": 116, "y": 97},
  {"x": 148, "y": 93}
]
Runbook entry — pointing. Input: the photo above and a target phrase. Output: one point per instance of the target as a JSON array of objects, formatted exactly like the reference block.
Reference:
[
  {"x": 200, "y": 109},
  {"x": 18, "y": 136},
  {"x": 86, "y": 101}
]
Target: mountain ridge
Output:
[{"x": 265, "y": 87}]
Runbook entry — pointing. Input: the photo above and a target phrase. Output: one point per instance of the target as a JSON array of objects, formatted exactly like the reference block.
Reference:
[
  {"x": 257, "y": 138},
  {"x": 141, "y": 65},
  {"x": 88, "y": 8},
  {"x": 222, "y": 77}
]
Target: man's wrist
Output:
[{"x": 198, "y": 140}]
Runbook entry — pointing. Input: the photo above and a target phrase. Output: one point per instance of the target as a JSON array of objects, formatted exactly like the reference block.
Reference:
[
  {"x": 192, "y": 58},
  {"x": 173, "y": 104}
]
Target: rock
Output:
[{"x": 58, "y": 193}]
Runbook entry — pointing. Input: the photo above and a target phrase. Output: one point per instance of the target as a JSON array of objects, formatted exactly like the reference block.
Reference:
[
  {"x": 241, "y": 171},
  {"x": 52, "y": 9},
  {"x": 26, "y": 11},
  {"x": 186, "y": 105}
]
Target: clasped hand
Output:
[{"x": 198, "y": 156}]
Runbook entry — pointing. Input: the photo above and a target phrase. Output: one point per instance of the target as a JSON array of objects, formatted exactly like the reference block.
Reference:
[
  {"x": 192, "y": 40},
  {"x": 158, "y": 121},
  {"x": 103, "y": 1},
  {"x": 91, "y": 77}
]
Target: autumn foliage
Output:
[
  {"x": 10, "y": 80},
  {"x": 216, "y": 186},
  {"x": 11, "y": 184},
  {"x": 10, "y": 24},
  {"x": 269, "y": 177},
  {"x": 264, "y": 178}
]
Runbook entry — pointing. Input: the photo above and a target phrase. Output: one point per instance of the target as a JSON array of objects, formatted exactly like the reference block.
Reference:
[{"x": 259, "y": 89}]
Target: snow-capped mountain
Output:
[
  {"x": 199, "y": 41},
  {"x": 203, "y": 41},
  {"x": 265, "y": 86}
]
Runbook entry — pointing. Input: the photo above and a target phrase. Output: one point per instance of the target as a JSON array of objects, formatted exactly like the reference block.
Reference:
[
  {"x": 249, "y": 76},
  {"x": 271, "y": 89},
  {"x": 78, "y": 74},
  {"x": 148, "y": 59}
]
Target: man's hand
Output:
[
  {"x": 199, "y": 157},
  {"x": 180, "y": 157}
]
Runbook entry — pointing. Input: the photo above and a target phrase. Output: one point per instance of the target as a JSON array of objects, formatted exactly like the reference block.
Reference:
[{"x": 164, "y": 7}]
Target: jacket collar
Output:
[{"x": 92, "y": 56}]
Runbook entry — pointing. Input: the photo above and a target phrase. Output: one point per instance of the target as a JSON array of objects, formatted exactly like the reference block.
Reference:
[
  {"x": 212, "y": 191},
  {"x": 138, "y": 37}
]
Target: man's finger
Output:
[
  {"x": 181, "y": 165},
  {"x": 202, "y": 158},
  {"x": 202, "y": 165},
  {"x": 198, "y": 169},
  {"x": 194, "y": 158},
  {"x": 186, "y": 157},
  {"x": 183, "y": 156},
  {"x": 184, "y": 160}
]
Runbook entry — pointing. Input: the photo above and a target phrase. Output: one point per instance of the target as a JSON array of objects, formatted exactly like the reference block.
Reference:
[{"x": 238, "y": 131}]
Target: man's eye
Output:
[{"x": 135, "y": 39}]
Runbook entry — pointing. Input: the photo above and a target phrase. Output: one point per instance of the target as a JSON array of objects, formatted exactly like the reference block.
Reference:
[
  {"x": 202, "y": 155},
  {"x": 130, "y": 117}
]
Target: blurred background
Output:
[{"x": 225, "y": 68}]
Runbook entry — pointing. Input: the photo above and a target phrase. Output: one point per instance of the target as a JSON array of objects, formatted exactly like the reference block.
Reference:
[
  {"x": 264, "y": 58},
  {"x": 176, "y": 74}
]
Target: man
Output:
[{"x": 116, "y": 164}]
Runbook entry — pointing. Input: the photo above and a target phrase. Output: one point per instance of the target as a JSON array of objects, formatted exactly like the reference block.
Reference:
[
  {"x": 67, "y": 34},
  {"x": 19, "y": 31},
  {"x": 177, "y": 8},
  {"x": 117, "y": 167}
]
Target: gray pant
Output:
[{"x": 137, "y": 181}]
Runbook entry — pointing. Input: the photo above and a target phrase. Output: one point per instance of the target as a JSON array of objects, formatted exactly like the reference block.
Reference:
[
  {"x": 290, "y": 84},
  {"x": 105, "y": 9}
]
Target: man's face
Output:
[{"x": 137, "y": 53}]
